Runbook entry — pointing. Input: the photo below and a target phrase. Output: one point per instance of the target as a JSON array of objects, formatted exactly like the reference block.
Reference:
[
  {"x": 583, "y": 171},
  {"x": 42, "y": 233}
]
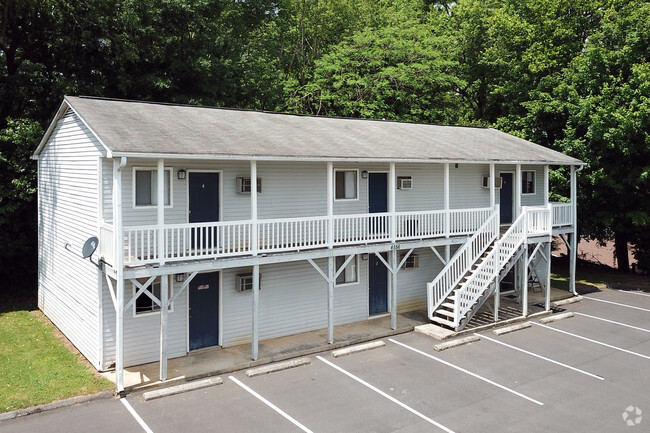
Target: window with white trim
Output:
[
  {"x": 349, "y": 274},
  {"x": 144, "y": 304},
  {"x": 346, "y": 184},
  {"x": 146, "y": 186},
  {"x": 528, "y": 182}
]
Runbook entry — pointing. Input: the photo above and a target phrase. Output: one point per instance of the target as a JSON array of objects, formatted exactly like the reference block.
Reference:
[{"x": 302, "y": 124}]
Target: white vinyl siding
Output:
[
  {"x": 428, "y": 188},
  {"x": 465, "y": 186},
  {"x": 68, "y": 214},
  {"x": 142, "y": 332},
  {"x": 293, "y": 300},
  {"x": 412, "y": 284}
]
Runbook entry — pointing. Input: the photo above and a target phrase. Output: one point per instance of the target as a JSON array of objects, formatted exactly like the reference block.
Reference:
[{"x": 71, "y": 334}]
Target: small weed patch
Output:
[{"x": 36, "y": 368}]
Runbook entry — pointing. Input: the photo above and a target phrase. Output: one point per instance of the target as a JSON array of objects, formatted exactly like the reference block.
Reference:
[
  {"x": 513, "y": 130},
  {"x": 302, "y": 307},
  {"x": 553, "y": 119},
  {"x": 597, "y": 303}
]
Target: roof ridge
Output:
[{"x": 283, "y": 113}]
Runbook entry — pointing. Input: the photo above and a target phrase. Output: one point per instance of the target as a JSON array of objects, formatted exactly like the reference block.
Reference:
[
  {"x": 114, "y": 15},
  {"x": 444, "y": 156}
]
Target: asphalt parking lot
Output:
[{"x": 589, "y": 372}]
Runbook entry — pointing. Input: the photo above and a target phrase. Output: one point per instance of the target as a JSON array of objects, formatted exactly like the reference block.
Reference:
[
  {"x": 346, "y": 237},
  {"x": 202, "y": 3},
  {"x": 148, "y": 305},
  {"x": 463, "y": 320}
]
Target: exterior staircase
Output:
[{"x": 472, "y": 275}]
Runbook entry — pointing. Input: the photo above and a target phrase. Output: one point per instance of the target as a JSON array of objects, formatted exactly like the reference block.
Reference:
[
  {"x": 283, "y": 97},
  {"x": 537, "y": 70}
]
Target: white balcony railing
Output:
[
  {"x": 562, "y": 214},
  {"x": 141, "y": 244}
]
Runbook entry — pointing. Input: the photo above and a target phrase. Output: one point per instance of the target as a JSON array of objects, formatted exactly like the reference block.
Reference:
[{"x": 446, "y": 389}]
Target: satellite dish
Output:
[{"x": 89, "y": 247}]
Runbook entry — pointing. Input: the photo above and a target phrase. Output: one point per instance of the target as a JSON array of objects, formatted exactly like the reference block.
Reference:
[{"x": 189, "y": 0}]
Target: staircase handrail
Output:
[
  {"x": 457, "y": 267},
  {"x": 504, "y": 249}
]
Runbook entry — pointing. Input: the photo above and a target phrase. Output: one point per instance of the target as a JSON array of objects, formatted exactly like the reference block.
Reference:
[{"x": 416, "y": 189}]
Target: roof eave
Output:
[{"x": 217, "y": 157}]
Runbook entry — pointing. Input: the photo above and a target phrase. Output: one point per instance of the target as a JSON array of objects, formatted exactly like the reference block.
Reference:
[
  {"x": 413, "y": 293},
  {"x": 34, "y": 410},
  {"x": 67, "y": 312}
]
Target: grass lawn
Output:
[
  {"x": 589, "y": 277},
  {"x": 36, "y": 367}
]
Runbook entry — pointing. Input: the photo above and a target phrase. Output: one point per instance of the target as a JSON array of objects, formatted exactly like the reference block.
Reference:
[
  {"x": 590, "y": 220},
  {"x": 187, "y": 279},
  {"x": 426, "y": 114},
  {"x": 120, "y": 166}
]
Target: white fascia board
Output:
[
  {"x": 327, "y": 159},
  {"x": 59, "y": 114}
]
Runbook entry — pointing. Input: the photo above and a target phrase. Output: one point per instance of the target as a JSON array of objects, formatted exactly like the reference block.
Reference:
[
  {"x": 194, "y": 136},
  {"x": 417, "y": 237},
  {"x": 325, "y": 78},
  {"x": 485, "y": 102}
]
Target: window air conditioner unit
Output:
[
  {"x": 498, "y": 182},
  {"x": 244, "y": 282},
  {"x": 244, "y": 185},
  {"x": 404, "y": 182},
  {"x": 413, "y": 262}
]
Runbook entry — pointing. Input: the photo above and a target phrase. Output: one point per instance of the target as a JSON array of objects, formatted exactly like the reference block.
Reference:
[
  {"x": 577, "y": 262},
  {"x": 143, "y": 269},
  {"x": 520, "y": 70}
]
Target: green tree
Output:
[
  {"x": 608, "y": 99},
  {"x": 396, "y": 72}
]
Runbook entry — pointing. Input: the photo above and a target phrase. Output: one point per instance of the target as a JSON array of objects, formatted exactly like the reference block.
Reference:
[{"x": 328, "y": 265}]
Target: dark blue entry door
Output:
[
  {"x": 505, "y": 198},
  {"x": 378, "y": 200},
  {"x": 204, "y": 197},
  {"x": 203, "y": 206},
  {"x": 378, "y": 285},
  {"x": 204, "y": 310},
  {"x": 378, "y": 192}
]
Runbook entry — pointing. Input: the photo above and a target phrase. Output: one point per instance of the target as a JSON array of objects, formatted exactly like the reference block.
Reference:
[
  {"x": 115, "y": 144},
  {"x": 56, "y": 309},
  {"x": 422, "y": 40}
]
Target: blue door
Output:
[
  {"x": 378, "y": 285},
  {"x": 203, "y": 205},
  {"x": 378, "y": 199},
  {"x": 204, "y": 197},
  {"x": 378, "y": 192},
  {"x": 505, "y": 198},
  {"x": 204, "y": 310}
]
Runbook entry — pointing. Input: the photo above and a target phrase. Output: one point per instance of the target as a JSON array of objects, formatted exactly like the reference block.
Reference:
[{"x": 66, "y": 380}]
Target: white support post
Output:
[
  {"x": 393, "y": 288},
  {"x": 256, "y": 268},
  {"x": 547, "y": 301},
  {"x": 574, "y": 233},
  {"x": 524, "y": 268},
  {"x": 497, "y": 288},
  {"x": 119, "y": 267},
  {"x": 447, "y": 214},
  {"x": 255, "y": 232},
  {"x": 330, "y": 299},
  {"x": 256, "y": 296},
  {"x": 164, "y": 280},
  {"x": 546, "y": 186},
  {"x": 164, "y": 309},
  {"x": 492, "y": 189},
  {"x": 392, "y": 187},
  {"x": 517, "y": 192},
  {"x": 330, "y": 205},
  {"x": 160, "y": 208}
]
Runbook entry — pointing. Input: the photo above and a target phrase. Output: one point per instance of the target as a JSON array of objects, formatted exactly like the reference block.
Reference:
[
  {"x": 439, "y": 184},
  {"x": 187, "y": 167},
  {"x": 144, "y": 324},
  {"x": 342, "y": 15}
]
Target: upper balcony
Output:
[{"x": 141, "y": 245}]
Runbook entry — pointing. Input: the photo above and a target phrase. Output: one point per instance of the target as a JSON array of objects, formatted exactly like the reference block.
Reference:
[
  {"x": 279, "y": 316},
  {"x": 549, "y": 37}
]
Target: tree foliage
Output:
[{"x": 569, "y": 74}]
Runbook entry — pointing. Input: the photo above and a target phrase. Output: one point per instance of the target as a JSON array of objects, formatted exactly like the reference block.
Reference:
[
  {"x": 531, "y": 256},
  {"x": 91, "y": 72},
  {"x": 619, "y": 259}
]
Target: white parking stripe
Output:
[
  {"x": 383, "y": 394},
  {"x": 505, "y": 388},
  {"x": 592, "y": 341},
  {"x": 271, "y": 405},
  {"x": 135, "y": 415},
  {"x": 633, "y": 293},
  {"x": 539, "y": 356},
  {"x": 614, "y": 322},
  {"x": 615, "y": 303}
]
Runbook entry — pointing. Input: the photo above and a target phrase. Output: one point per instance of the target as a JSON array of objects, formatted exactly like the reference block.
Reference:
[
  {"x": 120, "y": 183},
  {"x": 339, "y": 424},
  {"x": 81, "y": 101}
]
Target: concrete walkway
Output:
[{"x": 215, "y": 361}]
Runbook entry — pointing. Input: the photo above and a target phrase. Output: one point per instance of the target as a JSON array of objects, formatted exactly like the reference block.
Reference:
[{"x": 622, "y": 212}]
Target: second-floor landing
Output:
[
  {"x": 185, "y": 247},
  {"x": 179, "y": 213}
]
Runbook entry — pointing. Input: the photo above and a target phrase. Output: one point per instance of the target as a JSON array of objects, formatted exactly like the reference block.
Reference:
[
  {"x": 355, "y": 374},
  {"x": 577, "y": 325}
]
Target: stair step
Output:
[
  {"x": 443, "y": 322},
  {"x": 445, "y": 312},
  {"x": 448, "y": 305}
]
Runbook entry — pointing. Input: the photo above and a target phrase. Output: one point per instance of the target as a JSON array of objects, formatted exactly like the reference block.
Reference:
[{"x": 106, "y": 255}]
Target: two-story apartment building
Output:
[{"x": 219, "y": 227}]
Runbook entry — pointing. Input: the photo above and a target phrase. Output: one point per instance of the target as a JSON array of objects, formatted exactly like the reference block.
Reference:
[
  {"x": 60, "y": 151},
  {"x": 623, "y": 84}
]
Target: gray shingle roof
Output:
[{"x": 142, "y": 128}]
